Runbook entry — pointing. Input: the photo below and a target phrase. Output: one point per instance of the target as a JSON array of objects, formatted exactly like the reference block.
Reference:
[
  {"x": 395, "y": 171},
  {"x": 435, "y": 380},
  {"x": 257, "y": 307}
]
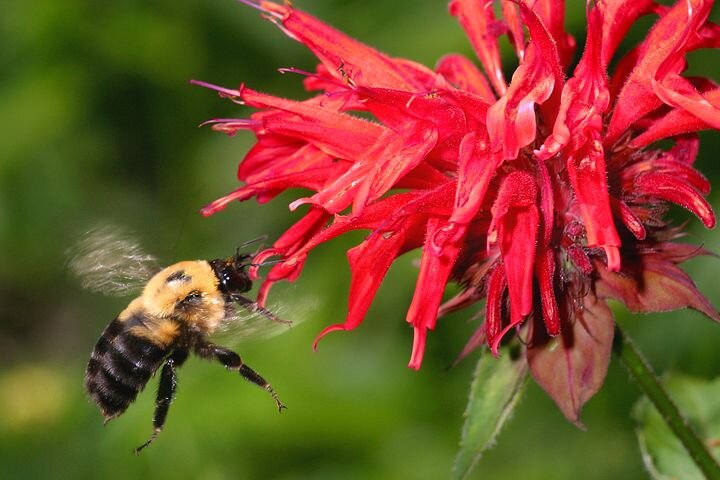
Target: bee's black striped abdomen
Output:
[{"x": 120, "y": 366}]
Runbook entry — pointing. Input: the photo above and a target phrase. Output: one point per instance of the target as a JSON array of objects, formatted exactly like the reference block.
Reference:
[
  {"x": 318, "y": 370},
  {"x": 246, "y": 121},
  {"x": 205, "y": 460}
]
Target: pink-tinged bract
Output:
[{"x": 543, "y": 193}]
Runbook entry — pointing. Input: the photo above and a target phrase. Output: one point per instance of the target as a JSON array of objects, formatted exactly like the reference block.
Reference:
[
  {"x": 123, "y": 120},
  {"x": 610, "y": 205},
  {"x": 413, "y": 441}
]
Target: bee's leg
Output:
[
  {"x": 232, "y": 361},
  {"x": 253, "y": 307},
  {"x": 165, "y": 394}
]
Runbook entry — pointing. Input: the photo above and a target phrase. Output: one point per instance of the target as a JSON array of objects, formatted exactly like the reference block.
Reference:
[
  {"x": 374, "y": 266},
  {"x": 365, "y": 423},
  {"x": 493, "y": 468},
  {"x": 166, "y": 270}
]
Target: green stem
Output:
[{"x": 650, "y": 385}]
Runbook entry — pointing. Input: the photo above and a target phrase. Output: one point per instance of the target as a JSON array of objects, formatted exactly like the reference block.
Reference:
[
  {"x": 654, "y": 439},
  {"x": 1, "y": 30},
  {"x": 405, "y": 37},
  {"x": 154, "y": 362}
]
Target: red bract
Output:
[{"x": 543, "y": 195}]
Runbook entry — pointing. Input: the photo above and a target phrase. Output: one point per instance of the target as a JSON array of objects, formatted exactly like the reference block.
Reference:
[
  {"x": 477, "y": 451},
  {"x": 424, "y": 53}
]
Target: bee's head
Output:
[{"x": 232, "y": 273}]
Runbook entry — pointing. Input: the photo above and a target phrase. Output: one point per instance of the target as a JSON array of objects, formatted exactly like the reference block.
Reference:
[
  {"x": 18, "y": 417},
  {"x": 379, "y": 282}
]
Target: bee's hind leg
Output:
[
  {"x": 165, "y": 394},
  {"x": 232, "y": 361}
]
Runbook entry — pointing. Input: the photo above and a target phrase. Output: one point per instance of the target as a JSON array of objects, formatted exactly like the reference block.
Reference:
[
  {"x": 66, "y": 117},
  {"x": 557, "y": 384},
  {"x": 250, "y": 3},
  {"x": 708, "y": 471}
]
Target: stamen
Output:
[{"x": 224, "y": 92}]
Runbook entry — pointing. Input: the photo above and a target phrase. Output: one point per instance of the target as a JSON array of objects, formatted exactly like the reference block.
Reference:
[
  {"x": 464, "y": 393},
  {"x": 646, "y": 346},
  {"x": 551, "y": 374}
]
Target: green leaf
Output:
[
  {"x": 664, "y": 456},
  {"x": 494, "y": 392}
]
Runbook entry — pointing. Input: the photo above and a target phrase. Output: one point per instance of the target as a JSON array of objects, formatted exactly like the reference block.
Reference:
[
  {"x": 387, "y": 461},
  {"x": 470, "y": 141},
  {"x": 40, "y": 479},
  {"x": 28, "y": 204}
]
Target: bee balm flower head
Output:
[{"x": 543, "y": 194}]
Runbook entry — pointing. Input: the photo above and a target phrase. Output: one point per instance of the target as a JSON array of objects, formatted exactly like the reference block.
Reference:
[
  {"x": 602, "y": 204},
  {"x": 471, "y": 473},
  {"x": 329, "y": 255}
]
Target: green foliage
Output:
[
  {"x": 495, "y": 390},
  {"x": 664, "y": 456}
]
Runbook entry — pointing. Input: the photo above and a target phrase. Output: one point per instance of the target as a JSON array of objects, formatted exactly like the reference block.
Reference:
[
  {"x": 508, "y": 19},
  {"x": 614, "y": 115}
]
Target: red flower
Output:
[{"x": 545, "y": 195}]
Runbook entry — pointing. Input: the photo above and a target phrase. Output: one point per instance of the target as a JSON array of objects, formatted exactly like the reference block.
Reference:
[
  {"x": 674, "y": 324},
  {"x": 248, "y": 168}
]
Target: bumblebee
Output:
[{"x": 179, "y": 308}]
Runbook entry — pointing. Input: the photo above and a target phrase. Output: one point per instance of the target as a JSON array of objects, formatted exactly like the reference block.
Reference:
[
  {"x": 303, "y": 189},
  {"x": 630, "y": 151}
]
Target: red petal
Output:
[
  {"x": 494, "y": 307},
  {"x": 588, "y": 176},
  {"x": 676, "y": 122},
  {"x": 475, "y": 170},
  {"x": 661, "y": 53},
  {"x": 345, "y": 57},
  {"x": 511, "y": 121},
  {"x": 276, "y": 153},
  {"x": 288, "y": 243},
  {"x": 584, "y": 100},
  {"x": 451, "y": 113},
  {"x": 678, "y": 92},
  {"x": 618, "y": 16},
  {"x": 482, "y": 28},
  {"x": 552, "y": 15},
  {"x": 369, "y": 262},
  {"x": 462, "y": 73},
  {"x": 678, "y": 191},
  {"x": 435, "y": 270},
  {"x": 545, "y": 273},
  {"x": 336, "y": 133},
  {"x": 511, "y": 14},
  {"x": 313, "y": 178},
  {"x": 396, "y": 212},
  {"x": 572, "y": 368},
  {"x": 631, "y": 221},
  {"x": 397, "y": 155},
  {"x": 516, "y": 217}
]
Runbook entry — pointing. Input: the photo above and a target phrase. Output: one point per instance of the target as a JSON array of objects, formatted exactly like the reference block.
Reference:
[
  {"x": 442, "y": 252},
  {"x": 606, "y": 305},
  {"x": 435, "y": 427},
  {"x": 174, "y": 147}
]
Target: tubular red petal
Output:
[
  {"x": 675, "y": 190},
  {"x": 369, "y": 262},
  {"x": 585, "y": 98},
  {"x": 374, "y": 217},
  {"x": 511, "y": 121},
  {"x": 683, "y": 171},
  {"x": 552, "y": 15},
  {"x": 220, "y": 204},
  {"x": 318, "y": 122},
  {"x": 258, "y": 260},
  {"x": 397, "y": 156},
  {"x": 661, "y": 53},
  {"x": 482, "y": 28},
  {"x": 418, "y": 348},
  {"x": 516, "y": 217},
  {"x": 493, "y": 316},
  {"x": 547, "y": 202},
  {"x": 678, "y": 92},
  {"x": 346, "y": 58},
  {"x": 475, "y": 170},
  {"x": 313, "y": 178},
  {"x": 301, "y": 232},
  {"x": 435, "y": 270},
  {"x": 274, "y": 154},
  {"x": 676, "y": 122},
  {"x": 617, "y": 18},
  {"x": 463, "y": 74},
  {"x": 511, "y": 14},
  {"x": 448, "y": 112},
  {"x": 545, "y": 272},
  {"x": 325, "y": 331},
  {"x": 631, "y": 221},
  {"x": 588, "y": 176}
]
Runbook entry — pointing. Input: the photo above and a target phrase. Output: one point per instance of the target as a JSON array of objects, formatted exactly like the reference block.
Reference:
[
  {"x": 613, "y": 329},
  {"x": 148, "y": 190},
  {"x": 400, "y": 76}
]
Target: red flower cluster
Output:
[{"x": 545, "y": 195}]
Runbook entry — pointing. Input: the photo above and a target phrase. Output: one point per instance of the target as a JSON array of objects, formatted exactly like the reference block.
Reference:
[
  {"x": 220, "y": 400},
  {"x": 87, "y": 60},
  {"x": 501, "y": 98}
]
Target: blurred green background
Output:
[{"x": 99, "y": 125}]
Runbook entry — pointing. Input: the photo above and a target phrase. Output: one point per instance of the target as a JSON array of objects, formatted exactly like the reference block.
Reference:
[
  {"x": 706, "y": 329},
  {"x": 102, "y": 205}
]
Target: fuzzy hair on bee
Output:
[{"x": 178, "y": 310}]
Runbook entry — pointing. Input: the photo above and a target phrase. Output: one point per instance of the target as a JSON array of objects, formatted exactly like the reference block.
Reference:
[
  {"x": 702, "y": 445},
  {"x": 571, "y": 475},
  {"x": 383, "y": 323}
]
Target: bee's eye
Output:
[
  {"x": 235, "y": 281},
  {"x": 193, "y": 297}
]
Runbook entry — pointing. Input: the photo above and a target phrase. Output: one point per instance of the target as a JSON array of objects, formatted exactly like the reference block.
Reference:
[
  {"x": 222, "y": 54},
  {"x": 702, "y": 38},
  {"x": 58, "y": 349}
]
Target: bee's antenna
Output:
[{"x": 261, "y": 238}]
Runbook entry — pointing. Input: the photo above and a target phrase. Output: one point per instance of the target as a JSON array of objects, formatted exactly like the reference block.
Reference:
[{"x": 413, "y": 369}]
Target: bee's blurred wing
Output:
[
  {"x": 246, "y": 320},
  {"x": 108, "y": 260}
]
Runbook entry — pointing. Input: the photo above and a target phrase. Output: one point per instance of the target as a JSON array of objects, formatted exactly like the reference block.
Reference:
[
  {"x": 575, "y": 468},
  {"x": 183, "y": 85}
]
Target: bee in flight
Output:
[{"x": 179, "y": 308}]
